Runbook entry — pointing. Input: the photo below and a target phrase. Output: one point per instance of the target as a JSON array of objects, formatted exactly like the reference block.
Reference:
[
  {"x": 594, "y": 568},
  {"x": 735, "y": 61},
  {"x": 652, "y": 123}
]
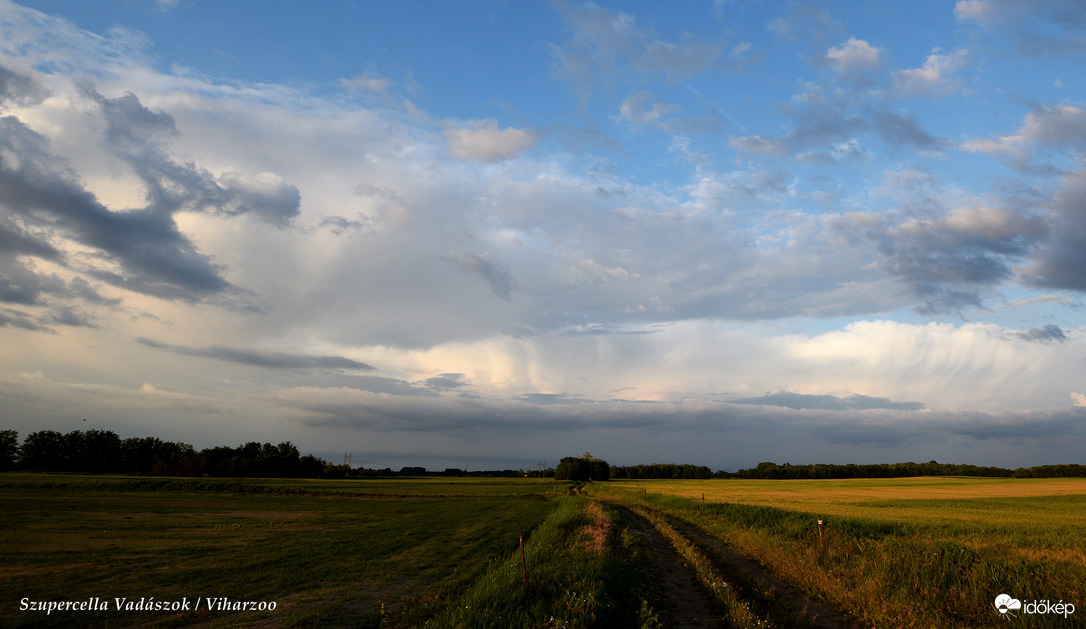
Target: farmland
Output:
[
  {"x": 920, "y": 552},
  {"x": 445, "y": 552}
]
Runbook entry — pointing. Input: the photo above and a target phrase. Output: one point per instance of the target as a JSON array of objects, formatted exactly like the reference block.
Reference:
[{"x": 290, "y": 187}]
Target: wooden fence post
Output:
[
  {"x": 821, "y": 542},
  {"x": 523, "y": 564}
]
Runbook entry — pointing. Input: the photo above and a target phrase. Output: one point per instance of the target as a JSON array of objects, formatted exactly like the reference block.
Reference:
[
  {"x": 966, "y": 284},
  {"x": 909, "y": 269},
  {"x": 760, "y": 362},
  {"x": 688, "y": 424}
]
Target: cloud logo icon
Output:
[{"x": 1004, "y": 603}]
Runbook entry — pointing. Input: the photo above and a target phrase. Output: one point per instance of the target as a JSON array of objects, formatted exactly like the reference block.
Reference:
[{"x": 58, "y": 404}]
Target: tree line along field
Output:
[{"x": 446, "y": 552}]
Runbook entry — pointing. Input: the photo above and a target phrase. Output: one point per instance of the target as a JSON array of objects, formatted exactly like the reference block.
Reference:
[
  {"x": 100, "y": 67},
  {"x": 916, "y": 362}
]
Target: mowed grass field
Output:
[
  {"x": 359, "y": 553},
  {"x": 919, "y": 552}
]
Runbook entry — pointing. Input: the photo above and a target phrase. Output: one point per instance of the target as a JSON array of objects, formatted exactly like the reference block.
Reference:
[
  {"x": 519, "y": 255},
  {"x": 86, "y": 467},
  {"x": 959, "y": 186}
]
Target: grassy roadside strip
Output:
[
  {"x": 583, "y": 572},
  {"x": 737, "y": 613},
  {"x": 881, "y": 573}
]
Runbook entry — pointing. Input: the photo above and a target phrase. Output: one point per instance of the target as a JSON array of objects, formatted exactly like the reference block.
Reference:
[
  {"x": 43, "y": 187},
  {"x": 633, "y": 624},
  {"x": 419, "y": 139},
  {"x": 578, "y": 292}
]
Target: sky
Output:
[{"x": 492, "y": 234}]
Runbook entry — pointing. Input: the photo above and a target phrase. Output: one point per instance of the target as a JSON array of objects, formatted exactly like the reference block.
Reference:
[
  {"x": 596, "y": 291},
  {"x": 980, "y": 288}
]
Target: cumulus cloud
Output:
[
  {"x": 1060, "y": 126},
  {"x": 853, "y": 59},
  {"x": 482, "y": 140},
  {"x": 937, "y": 76}
]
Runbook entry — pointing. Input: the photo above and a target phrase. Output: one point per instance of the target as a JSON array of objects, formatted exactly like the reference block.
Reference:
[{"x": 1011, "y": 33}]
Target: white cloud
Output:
[
  {"x": 971, "y": 365},
  {"x": 975, "y": 10},
  {"x": 1061, "y": 126},
  {"x": 483, "y": 141},
  {"x": 854, "y": 58},
  {"x": 937, "y": 75},
  {"x": 642, "y": 108},
  {"x": 367, "y": 81}
]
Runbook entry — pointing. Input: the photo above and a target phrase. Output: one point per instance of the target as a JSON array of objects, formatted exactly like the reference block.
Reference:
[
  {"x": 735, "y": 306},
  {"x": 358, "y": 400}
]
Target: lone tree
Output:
[{"x": 583, "y": 468}]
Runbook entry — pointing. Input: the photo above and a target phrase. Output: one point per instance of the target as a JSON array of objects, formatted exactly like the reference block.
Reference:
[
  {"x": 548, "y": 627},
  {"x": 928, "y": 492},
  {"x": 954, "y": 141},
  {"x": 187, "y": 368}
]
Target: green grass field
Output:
[
  {"x": 445, "y": 552},
  {"x": 321, "y": 550}
]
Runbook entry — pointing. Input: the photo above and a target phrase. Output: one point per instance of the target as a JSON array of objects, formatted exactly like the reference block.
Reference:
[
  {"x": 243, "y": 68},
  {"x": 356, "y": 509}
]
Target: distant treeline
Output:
[
  {"x": 661, "y": 470},
  {"x": 104, "y": 452},
  {"x": 901, "y": 470}
]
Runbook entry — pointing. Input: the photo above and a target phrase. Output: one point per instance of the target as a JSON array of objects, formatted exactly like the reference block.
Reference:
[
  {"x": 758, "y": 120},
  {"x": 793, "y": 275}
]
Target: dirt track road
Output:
[{"x": 690, "y": 606}]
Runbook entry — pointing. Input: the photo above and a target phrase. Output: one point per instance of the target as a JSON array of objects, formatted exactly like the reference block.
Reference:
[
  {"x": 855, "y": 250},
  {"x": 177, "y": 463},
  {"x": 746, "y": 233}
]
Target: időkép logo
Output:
[{"x": 1007, "y": 605}]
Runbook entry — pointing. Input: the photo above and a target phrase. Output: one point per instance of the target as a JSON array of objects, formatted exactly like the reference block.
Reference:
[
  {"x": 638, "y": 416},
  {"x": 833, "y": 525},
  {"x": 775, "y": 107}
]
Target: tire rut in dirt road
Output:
[
  {"x": 687, "y": 604},
  {"x": 738, "y": 568}
]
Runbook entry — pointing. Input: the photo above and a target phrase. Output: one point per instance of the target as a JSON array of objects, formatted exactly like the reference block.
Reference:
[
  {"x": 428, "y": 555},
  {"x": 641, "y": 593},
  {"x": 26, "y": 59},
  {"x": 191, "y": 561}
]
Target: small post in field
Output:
[
  {"x": 523, "y": 564},
  {"x": 821, "y": 542}
]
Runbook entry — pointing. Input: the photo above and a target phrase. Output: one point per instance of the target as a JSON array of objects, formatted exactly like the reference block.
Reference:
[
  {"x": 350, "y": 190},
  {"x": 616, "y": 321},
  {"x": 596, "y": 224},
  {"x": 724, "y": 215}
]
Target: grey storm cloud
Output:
[
  {"x": 846, "y": 422},
  {"x": 43, "y": 200},
  {"x": 800, "y": 401},
  {"x": 38, "y": 189},
  {"x": 264, "y": 360}
]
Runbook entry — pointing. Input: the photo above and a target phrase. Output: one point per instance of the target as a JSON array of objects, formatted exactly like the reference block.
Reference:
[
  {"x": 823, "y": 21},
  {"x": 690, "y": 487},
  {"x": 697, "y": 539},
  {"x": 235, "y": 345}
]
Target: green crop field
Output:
[
  {"x": 920, "y": 552},
  {"x": 446, "y": 552}
]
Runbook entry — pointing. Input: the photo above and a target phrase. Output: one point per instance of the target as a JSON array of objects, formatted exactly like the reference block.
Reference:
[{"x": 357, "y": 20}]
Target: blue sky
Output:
[{"x": 486, "y": 234}]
